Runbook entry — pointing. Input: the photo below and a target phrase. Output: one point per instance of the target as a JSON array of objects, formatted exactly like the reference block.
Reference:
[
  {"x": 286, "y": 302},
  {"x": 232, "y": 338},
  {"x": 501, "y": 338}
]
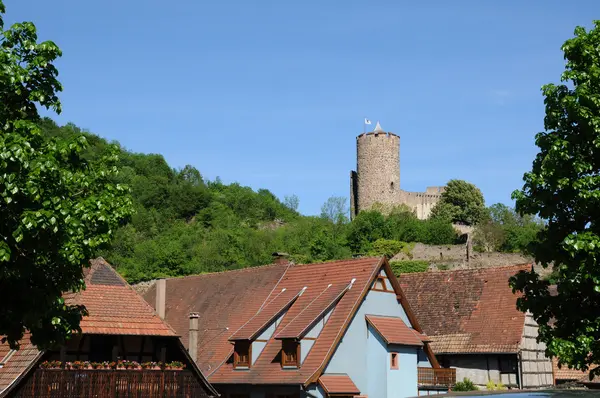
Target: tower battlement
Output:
[{"x": 377, "y": 176}]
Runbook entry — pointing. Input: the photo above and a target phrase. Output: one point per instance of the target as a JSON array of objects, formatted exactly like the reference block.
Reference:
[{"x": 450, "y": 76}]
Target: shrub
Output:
[
  {"x": 386, "y": 247},
  {"x": 491, "y": 386},
  {"x": 465, "y": 385},
  {"x": 409, "y": 266},
  {"x": 438, "y": 232}
]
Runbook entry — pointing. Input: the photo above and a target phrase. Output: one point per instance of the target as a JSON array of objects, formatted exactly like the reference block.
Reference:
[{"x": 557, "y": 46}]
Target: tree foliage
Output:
[
  {"x": 563, "y": 188},
  {"x": 461, "y": 202},
  {"x": 56, "y": 210},
  {"x": 409, "y": 266},
  {"x": 335, "y": 210},
  {"x": 505, "y": 230}
]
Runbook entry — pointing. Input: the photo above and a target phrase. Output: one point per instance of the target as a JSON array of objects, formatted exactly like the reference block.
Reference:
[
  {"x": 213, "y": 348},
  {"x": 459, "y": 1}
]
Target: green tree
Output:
[
  {"x": 366, "y": 228},
  {"x": 461, "y": 202},
  {"x": 563, "y": 188},
  {"x": 291, "y": 202},
  {"x": 56, "y": 210},
  {"x": 386, "y": 247},
  {"x": 335, "y": 210}
]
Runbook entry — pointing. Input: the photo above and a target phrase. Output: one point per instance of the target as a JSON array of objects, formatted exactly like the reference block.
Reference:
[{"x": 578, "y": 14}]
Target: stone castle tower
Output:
[{"x": 377, "y": 177}]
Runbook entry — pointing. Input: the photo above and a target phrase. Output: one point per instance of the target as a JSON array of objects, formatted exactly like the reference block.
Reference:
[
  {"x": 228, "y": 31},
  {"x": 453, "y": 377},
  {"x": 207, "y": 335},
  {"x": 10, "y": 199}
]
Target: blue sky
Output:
[{"x": 272, "y": 93}]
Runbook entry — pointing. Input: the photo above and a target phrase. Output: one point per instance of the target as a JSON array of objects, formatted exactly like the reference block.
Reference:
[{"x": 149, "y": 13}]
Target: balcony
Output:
[
  {"x": 436, "y": 378},
  {"x": 111, "y": 383}
]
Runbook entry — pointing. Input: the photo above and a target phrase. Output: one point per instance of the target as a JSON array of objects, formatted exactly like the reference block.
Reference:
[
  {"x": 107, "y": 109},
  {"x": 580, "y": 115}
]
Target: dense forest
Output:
[{"x": 184, "y": 224}]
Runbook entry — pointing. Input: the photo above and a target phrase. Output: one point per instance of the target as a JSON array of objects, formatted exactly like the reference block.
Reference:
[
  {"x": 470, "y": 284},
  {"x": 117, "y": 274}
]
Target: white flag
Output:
[{"x": 367, "y": 121}]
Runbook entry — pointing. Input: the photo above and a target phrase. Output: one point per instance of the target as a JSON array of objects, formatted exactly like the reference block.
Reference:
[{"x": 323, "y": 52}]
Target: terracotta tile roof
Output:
[
  {"x": 338, "y": 384},
  {"x": 224, "y": 301},
  {"x": 315, "y": 277},
  {"x": 394, "y": 331},
  {"x": 566, "y": 374},
  {"x": 18, "y": 363},
  {"x": 302, "y": 323},
  {"x": 227, "y": 300},
  {"x": 467, "y": 311},
  {"x": 113, "y": 306},
  {"x": 274, "y": 308}
]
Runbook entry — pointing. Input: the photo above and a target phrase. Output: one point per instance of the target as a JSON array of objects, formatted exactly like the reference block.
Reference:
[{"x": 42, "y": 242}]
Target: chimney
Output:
[
  {"x": 193, "y": 336},
  {"x": 161, "y": 297},
  {"x": 280, "y": 258}
]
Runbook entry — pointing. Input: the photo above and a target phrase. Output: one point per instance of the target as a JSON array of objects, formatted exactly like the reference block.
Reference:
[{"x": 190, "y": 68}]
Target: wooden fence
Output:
[
  {"x": 445, "y": 377},
  {"x": 55, "y": 383}
]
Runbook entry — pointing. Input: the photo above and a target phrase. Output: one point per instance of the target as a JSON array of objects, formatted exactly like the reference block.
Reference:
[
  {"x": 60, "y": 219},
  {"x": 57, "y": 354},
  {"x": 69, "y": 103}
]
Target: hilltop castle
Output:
[{"x": 377, "y": 177}]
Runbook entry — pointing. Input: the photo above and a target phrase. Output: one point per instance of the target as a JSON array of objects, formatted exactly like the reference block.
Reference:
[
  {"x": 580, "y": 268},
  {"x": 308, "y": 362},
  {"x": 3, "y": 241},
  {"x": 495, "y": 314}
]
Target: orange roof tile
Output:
[
  {"x": 394, "y": 331},
  {"x": 302, "y": 323},
  {"x": 338, "y": 384},
  {"x": 275, "y": 307},
  {"x": 227, "y": 300},
  {"x": 224, "y": 300},
  {"x": 18, "y": 363},
  {"x": 565, "y": 374},
  {"x": 315, "y": 277},
  {"x": 113, "y": 306},
  {"x": 467, "y": 311}
]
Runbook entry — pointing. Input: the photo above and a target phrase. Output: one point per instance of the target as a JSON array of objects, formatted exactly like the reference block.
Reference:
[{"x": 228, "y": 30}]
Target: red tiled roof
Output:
[
  {"x": 227, "y": 300},
  {"x": 467, "y": 311},
  {"x": 394, "y": 331},
  {"x": 18, "y": 363},
  {"x": 338, "y": 384},
  {"x": 224, "y": 300},
  {"x": 275, "y": 307},
  {"x": 312, "y": 312},
  {"x": 113, "y": 306},
  {"x": 566, "y": 374},
  {"x": 315, "y": 277}
]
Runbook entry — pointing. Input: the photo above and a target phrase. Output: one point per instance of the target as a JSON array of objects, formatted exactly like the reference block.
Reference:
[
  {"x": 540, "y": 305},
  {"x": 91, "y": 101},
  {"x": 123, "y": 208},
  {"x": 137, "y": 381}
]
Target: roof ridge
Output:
[
  {"x": 384, "y": 316},
  {"x": 252, "y": 268},
  {"x": 238, "y": 270},
  {"x": 465, "y": 270}
]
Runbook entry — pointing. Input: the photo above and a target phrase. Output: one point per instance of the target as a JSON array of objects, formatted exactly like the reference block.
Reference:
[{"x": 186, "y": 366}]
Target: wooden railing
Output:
[
  {"x": 55, "y": 383},
  {"x": 440, "y": 377}
]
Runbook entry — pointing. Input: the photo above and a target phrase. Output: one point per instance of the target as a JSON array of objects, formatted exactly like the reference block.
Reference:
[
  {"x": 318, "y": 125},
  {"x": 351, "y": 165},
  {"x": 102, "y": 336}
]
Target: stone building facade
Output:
[{"x": 376, "y": 180}]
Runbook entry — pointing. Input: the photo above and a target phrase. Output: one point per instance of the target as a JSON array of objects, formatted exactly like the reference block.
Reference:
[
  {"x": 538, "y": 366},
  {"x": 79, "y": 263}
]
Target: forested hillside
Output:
[{"x": 184, "y": 224}]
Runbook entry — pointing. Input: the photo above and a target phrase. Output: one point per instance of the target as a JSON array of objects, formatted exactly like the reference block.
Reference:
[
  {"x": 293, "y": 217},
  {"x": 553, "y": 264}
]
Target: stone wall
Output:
[
  {"x": 421, "y": 202},
  {"x": 455, "y": 256}
]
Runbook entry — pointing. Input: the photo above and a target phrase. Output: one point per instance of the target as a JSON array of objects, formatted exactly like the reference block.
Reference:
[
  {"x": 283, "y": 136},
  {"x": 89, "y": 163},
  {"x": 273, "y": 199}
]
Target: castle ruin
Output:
[{"x": 376, "y": 180}]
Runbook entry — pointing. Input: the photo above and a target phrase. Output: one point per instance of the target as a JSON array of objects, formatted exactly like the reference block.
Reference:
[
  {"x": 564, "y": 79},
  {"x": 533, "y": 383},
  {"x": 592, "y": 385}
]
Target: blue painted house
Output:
[{"x": 337, "y": 329}]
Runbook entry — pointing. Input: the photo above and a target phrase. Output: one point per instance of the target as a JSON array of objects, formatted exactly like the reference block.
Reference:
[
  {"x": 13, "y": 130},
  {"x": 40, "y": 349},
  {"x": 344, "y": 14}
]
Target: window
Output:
[
  {"x": 507, "y": 364},
  {"x": 290, "y": 353},
  {"x": 394, "y": 360},
  {"x": 241, "y": 354}
]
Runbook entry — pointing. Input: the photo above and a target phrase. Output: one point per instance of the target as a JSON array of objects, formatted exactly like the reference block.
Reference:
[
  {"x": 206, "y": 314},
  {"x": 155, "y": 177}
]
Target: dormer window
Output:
[
  {"x": 290, "y": 354},
  {"x": 241, "y": 354}
]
